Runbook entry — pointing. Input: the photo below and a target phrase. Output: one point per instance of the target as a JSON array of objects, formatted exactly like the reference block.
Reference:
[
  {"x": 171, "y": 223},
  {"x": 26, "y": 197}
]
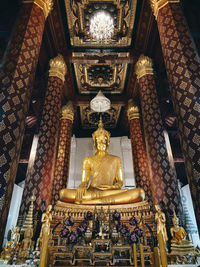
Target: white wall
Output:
[
  {"x": 83, "y": 147},
  {"x": 14, "y": 209},
  {"x": 191, "y": 225}
]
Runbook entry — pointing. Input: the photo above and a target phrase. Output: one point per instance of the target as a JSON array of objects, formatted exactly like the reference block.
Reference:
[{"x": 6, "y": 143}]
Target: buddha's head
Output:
[{"x": 101, "y": 138}]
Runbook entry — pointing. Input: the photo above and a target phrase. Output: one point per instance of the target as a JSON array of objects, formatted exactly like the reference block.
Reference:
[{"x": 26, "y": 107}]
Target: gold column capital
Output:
[
  {"x": 45, "y": 5},
  {"x": 132, "y": 111},
  {"x": 156, "y": 5},
  {"x": 67, "y": 111},
  {"x": 143, "y": 66},
  {"x": 58, "y": 67}
]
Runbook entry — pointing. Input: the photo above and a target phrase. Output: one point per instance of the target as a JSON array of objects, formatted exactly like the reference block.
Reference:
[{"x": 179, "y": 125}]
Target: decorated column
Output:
[
  {"x": 164, "y": 184},
  {"x": 140, "y": 160},
  {"x": 16, "y": 82},
  {"x": 63, "y": 156},
  {"x": 40, "y": 178},
  {"x": 183, "y": 70}
]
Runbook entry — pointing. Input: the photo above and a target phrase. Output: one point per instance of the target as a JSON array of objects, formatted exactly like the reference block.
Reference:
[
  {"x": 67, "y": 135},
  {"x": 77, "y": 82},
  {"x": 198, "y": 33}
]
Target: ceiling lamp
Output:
[
  {"x": 101, "y": 26},
  {"x": 100, "y": 103}
]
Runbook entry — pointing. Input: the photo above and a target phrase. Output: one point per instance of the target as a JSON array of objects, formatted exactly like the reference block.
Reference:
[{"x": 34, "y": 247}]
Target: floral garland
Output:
[
  {"x": 72, "y": 237},
  {"x": 132, "y": 236}
]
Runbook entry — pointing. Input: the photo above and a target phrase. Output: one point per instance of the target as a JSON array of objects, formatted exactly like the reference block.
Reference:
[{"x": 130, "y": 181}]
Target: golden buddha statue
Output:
[
  {"x": 107, "y": 177},
  {"x": 178, "y": 233},
  {"x": 179, "y": 244}
]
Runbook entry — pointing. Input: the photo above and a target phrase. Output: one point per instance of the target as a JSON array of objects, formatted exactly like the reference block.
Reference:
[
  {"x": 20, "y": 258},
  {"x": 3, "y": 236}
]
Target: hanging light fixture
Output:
[
  {"x": 101, "y": 26},
  {"x": 100, "y": 103}
]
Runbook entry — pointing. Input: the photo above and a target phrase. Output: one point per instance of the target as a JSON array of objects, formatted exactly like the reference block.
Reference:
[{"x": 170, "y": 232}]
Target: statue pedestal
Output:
[
  {"x": 63, "y": 210},
  {"x": 78, "y": 210}
]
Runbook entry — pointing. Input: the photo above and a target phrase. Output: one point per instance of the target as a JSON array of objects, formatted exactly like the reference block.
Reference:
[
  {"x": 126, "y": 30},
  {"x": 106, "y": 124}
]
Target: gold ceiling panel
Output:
[
  {"x": 100, "y": 75},
  {"x": 90, "y": 118},
  {"x": 79, "y": 13}
]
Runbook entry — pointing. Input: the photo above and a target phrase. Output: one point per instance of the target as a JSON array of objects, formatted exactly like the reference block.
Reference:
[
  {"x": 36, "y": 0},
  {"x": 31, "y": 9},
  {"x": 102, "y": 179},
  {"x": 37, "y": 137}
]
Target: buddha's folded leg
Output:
[{"x": 124, "y": 197}]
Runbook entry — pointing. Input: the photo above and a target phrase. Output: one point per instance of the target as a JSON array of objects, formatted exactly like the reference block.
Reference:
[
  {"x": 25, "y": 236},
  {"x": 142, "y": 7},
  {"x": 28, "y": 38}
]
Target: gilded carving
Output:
[
  {"x": 100, "y": 75},
  {"x": 156, "y": 5},
  {"x": 67, "y": 111},
  {"x": 58, "y": 67},
  {"x": 79, "y": 14},
  {"x": 45, "y": 5},
  {"x": 132, "y": 111},
  {"x": 143, "y": 66}
]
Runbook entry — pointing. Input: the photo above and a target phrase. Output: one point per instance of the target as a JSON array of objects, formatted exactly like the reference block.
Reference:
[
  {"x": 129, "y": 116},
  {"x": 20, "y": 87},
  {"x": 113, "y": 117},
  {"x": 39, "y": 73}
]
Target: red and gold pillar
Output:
[
  {"x": 16, "y": 82},
  {"x": 63, "y": 156},
  {"x": 164, "y": 184},
  {"x": 40, "y": 178},
  {"x": 140, "y": 160},
  {"x": 183, "y": 68}
]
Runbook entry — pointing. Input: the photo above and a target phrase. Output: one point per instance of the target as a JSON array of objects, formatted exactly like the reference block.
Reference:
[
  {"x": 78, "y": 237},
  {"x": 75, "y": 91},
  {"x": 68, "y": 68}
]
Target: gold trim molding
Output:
[
  {"x": 58, "y": 67},
  {"x": 45, "y": 5},
  {"x": 67, "y": 111},
  {"x": 156, "y": 5},
  {"x": 132, "y": 111},
  {"x": 143, "y": 66}
]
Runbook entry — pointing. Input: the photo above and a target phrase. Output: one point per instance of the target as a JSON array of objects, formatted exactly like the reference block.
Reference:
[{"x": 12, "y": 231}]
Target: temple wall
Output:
[{"x": 83, "y": 147}]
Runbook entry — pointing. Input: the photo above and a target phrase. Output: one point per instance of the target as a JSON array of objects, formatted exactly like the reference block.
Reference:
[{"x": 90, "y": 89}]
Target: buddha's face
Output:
[{"x": 101, "y": 143}]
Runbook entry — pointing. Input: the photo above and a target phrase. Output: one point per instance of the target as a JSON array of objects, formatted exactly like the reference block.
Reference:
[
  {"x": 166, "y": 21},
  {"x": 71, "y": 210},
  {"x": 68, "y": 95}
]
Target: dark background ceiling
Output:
[{"x": 56, "y": 39}]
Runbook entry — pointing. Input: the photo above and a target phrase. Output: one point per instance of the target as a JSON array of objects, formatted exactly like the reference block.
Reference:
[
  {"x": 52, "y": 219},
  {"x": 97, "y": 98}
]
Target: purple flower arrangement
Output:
[
  {"x": 88, "y": 216},
  {"x": 64, "y": 232},
  {"x": 72, "y": 237},
  {"x": 123, "y": 229},
  {"x": 116, "y": 216},
  {"x": 133, "y": 221},
  {"x": 69, "y": 221},
  {"x": 132, "y": 236}
]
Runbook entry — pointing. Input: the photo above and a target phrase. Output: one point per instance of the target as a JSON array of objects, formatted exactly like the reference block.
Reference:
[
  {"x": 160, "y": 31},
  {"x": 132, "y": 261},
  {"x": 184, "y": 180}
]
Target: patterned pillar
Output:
[
  {"x": 164, "y": 182},
  {"x": 39, "y": 179},
  {"x": 63, "y": 156},
  {"x": 140, "y": 160},
  {"x": 16, "y": 81},
  {"x": 183, "y": 69}
]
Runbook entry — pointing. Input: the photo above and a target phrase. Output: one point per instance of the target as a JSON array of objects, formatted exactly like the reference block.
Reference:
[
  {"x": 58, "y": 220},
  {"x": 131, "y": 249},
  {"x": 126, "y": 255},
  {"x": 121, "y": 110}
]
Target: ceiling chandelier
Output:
[
  {"x": 101, "y": 26},
  {"x": 100, "y": 103}
]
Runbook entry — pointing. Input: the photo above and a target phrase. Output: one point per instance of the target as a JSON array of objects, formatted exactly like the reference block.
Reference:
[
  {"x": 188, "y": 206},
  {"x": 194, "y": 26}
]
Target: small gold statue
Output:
[
  {"x": 107, "y": 177},
  {"x": 161, "y": 222},
  {"x": 11, "y": 246},
  {"x": 179, "y": 244},
  {"x": 178, "y": 233},
  {"x": 15, "y": 236},
  {"x": 46, "y": 220},
  {"x": 26, "y": 246}
]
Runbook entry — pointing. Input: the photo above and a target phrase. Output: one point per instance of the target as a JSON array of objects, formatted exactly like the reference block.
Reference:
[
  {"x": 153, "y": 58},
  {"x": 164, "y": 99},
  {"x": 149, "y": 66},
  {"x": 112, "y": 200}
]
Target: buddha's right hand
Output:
[{"x": 81, "y": 190}]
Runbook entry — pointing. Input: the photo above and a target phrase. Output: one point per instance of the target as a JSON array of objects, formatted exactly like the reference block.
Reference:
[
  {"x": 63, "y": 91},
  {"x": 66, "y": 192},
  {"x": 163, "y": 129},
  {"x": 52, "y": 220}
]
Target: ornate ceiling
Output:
[
  {"x": 79, "y": 13},
  {"x": 100, "y": 66}
]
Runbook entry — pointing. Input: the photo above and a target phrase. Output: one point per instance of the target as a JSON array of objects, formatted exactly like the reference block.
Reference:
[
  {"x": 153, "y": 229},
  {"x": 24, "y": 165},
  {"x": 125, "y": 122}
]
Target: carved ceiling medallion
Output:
[
  {"x": 106, "y": 77},
  {"x": 90, "y": 118},
  {"x": 80, "y": 12}
]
